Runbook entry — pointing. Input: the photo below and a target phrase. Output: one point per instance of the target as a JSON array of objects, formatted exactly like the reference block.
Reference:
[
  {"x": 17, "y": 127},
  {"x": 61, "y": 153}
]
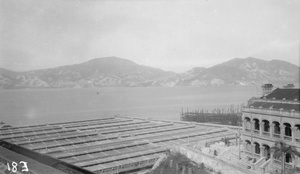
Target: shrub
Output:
[{"x": 183, "y": 162}]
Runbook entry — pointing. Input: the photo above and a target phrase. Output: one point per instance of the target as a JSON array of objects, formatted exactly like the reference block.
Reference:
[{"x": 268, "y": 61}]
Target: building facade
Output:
[{"x": 273, "y": 117}]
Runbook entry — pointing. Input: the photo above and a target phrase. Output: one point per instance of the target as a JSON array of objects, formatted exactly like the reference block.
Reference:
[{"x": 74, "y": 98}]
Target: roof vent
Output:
[
  {"x": 260, "y": 107},
  {"x": 281, "y": 109},
  {"x": 295, "y": 99},
  {"x": 284, "y": 99},
  {"x": 271, "y": 107},
  {"x": 293, "y": 110},
  {"x": 274, "y": 98}
]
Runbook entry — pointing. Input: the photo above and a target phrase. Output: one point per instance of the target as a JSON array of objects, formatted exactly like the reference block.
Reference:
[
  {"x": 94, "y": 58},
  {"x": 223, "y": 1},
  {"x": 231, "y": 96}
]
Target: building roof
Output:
[
  {"x": 32, "y": 165},
  {"x": 287, "y": 94},
  {"x": 276, "y": 106},
  {"x": 103, "y": 144}
]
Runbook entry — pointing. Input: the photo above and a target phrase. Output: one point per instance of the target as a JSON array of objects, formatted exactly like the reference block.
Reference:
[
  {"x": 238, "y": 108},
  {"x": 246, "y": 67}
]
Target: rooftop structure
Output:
[
  {"x": 267, "y": 89},
  {"x": 106, "y": 145},
  {"x": 284, "y": 94},
  {"x": 270, "y": 118},
  {"x": 289, "y": 86}
]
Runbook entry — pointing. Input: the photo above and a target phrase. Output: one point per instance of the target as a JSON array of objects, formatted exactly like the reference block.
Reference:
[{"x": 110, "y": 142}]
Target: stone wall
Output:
[{"x": 216, "y": 164}]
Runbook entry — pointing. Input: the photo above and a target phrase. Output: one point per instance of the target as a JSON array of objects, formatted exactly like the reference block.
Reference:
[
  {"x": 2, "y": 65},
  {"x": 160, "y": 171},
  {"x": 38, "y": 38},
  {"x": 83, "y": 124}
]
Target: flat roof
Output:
[{"x": 109, "y": 143}]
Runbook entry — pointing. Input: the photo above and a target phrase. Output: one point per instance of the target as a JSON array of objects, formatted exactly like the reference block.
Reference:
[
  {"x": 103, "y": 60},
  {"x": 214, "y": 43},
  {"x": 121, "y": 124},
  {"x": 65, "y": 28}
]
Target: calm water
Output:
[{"x": 34, "y": 106}]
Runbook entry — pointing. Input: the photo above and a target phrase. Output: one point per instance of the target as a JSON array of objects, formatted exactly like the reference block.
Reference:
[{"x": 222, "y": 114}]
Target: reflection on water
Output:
[{"x": 33, "y": 106}]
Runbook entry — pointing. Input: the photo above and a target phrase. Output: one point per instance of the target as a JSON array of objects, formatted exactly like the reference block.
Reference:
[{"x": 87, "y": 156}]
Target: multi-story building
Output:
[{"x": 273, "y": 117}]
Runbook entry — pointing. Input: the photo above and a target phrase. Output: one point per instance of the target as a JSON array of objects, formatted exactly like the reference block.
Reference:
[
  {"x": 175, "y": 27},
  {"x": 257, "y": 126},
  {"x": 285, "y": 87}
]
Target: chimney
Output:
[
  {"x": 289, "y": 86},
  {"x": 267, "y": 89}
]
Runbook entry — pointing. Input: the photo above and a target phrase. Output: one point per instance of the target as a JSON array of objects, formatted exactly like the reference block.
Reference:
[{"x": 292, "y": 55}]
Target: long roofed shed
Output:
[{"x": 287, "y": 94}]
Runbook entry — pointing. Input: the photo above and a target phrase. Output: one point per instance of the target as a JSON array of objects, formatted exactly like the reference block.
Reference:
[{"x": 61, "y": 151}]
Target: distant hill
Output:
[
  {"x": 238, "y": 71},
  {"x": 118, "y": 72},
  {"x": 100, "y": 72}
]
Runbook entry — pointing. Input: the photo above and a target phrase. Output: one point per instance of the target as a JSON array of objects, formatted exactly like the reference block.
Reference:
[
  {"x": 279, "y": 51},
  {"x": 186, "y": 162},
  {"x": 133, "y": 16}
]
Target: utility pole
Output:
[{"x": 239, "y": 141}]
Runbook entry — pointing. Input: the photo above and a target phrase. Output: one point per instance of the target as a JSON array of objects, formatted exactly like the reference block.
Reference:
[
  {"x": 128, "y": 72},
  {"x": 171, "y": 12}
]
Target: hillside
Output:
[
  {"x": 237, "y": 72},
  {"x": 100, "y": 72},
  {"x": 118, "y": 72}
]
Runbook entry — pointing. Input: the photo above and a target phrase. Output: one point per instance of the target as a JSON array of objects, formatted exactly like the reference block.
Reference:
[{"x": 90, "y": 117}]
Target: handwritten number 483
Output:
[{"x": 14, "y": 166}]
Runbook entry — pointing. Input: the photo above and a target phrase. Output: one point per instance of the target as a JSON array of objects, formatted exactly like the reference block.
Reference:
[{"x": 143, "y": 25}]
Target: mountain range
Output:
[{"x": 118, "y": 72}]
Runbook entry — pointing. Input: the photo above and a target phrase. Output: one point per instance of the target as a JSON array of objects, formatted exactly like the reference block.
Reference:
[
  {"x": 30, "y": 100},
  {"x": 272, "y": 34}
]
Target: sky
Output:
[{"x": 174, "y": 35}]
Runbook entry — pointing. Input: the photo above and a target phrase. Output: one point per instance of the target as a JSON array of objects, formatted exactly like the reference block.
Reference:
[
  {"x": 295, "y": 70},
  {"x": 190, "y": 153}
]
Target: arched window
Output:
[
  {"x": 257, "y": 148},
  {"x": 276, "y": 127},
  {"x": 288, "y": 158},
  {"x": 248, "y": 145},
  {"x": 247, "y": 123},
  {"x": 288, "y": 130},
  {"x": 267, "y": 152},
  {"x": 256, "y": 124},
  {"x": 266, "y": 127},
  {"x": 297, "y": 132}
]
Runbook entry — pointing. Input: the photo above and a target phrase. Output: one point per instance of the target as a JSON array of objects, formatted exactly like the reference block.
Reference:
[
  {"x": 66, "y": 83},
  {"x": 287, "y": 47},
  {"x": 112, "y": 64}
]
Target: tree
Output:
[{"x": 280, "y": 149}]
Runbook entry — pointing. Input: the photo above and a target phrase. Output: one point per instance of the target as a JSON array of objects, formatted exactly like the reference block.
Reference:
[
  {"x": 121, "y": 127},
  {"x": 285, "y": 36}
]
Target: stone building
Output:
[{"x": 273, "y": 117}]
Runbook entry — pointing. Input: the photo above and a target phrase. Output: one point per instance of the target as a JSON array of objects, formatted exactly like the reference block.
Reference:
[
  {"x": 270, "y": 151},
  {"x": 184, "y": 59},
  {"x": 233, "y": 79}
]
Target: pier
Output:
[{"x": 231, "y": 116}]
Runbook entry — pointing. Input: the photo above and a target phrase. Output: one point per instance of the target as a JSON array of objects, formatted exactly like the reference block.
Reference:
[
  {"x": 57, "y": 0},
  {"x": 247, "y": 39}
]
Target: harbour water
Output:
[{"x": 35, "y": 106}]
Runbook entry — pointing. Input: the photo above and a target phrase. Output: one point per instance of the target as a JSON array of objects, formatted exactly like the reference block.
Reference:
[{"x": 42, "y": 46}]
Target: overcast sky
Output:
[{"x": 173, "y": 35}]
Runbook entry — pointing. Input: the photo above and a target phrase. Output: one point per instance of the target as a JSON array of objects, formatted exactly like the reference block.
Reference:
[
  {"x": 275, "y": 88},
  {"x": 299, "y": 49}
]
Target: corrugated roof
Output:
[
  {"x": 287, "y": 94},
  {"x": 276, "y": 106}
]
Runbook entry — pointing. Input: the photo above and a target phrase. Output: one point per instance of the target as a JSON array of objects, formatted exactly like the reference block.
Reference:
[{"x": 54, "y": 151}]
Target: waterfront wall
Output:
[
  {"x": 236, "y": 128},
  {"x": 226, "y": 119}
]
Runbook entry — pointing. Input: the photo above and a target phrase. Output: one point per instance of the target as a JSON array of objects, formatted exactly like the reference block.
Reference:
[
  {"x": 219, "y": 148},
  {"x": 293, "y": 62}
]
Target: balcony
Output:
[
  {"x": 266, "y": 134},
  {"x": 288, "y": 165},
  {"x": 256, "y": 155},
  {"x": 284, "y": 113},
  {"x": 289, "y": 138},
  {"x": 278, "y": 162},
  {"x": 276, "y": 135},
  {"x": 248, "y": 152},
  {"x": 247, "y": 130},
  {"x": 256, "y": 131}
]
